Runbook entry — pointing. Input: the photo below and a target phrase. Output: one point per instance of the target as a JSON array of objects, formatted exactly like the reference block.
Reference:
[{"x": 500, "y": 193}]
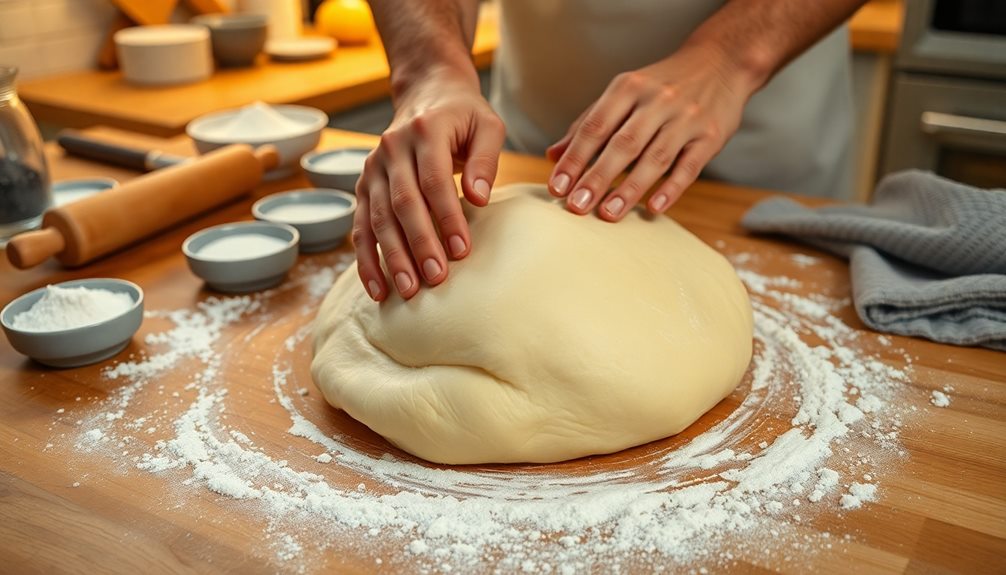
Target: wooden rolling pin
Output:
[{"x": 82, "y": 231}]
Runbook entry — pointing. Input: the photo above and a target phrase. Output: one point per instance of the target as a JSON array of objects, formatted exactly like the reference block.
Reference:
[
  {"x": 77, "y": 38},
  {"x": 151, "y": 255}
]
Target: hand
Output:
[
  {"x": 673, "y": 115},
  {"x": 408, "y": 202}
]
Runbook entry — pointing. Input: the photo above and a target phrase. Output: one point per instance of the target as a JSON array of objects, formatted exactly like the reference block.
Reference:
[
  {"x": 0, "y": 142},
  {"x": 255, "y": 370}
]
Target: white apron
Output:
[{"x": 556, "y": 57}]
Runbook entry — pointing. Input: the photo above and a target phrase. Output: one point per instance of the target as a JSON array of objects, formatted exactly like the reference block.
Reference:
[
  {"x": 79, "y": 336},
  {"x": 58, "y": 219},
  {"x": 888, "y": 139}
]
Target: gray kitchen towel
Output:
[{"x": 927, "y": 256}]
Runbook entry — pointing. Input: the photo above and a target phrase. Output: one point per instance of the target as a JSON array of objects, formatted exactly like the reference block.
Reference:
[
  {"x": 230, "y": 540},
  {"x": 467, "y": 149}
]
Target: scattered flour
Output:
[
  {"x": 939, "y": 399},
  {"x": 857, "y": 495},
  {"x": 71, "y": 307},
  {"x": 815, "y": 411},
  {"x": 803, "y": 260}
]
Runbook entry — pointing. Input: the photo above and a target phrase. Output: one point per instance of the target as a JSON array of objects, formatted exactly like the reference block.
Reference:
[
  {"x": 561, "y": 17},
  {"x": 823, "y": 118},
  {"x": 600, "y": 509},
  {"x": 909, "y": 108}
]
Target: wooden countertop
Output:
[
  {"x": 876, "y": 27},
  {"x": 943, "y": 510},
  {"x": 354, "y": 76}
]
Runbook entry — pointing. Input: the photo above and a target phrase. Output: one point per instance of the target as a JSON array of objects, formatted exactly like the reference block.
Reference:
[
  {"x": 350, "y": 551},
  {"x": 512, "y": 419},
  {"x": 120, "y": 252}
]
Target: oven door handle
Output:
[{"x": 982, "y": 133}]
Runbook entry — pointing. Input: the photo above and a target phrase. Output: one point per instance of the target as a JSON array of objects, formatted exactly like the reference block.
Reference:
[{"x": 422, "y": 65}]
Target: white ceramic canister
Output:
[
  {"x": 164, "y": 55},
  {"x": 286, "y": 17}
]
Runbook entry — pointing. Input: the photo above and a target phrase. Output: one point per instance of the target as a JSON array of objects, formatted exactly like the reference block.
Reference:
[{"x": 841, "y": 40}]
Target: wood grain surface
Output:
[{"x": 942, "y": 508}]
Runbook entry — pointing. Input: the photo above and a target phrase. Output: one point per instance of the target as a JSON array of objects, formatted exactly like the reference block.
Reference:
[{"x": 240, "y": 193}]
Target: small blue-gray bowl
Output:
[{"x": 77, "y": 346}]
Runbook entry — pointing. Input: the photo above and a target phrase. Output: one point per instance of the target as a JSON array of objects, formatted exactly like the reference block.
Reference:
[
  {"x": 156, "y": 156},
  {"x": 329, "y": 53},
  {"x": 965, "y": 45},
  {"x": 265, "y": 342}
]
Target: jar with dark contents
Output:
[{"x": 24, "y": 175}]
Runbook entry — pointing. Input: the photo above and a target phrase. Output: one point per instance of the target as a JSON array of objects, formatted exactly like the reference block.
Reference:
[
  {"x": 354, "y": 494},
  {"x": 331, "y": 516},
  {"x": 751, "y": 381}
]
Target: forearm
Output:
[
  {"x": 423, "y": 38},
  {"x": 759, "y": 37}
]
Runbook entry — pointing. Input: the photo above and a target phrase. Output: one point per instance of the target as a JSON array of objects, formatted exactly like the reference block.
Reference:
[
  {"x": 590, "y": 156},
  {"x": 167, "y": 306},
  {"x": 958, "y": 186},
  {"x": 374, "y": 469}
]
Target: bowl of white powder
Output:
[
  {"x": 293, "y": 130},
  {"x": 74, "y": 323},
  {"x": 323, "y": 217},
  {"x": 244, "y": 256},
  {"x": 337, "y": 168}
]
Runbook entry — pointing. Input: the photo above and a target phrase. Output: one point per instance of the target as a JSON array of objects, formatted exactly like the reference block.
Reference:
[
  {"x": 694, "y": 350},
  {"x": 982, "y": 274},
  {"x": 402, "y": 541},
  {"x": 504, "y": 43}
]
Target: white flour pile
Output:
[
  {"x": 813, "y": 433},
  {"x": 242, "y": 246},
  {"x": 71, "y": 307}
]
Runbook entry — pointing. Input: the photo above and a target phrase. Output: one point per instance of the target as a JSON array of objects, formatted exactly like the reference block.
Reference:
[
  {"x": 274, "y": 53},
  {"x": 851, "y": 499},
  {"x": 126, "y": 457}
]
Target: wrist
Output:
[
  {"x": 746, "y": 66},
  {"x": 449, "y": 70}
]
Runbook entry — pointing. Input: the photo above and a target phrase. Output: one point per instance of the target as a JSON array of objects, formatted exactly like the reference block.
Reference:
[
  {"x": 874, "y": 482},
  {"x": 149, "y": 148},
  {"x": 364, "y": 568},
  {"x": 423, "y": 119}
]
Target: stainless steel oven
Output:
[{"x": 947, "y": 109}]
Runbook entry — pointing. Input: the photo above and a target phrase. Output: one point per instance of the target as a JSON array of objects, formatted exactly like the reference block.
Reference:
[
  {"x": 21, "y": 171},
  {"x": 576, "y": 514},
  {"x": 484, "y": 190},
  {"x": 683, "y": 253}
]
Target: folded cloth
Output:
[{"x": 927, "y": 256}]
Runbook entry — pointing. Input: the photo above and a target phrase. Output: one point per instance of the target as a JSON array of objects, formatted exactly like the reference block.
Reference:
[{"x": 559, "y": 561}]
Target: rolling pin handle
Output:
[
  {"x": 268, "y": 156},
  {"x": 32, "y": 248}
]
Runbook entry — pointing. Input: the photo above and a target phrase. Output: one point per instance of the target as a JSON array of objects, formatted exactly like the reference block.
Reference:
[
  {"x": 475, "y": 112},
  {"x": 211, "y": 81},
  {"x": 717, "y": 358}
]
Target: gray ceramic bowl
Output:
[
  {"x": 236, "y": 38},
  {"x": 80, "y": 345},
  {"x": 323, "y": 217},
  {"x": 245, "y": 272},
  {"x": 206, "y": 131},
  {"x": 337, "y": 168}
]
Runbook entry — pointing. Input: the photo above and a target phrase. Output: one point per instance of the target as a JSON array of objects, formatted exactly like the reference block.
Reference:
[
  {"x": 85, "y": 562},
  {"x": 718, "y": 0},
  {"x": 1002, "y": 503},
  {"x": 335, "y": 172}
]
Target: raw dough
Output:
[{"x": 557, "y": 337}]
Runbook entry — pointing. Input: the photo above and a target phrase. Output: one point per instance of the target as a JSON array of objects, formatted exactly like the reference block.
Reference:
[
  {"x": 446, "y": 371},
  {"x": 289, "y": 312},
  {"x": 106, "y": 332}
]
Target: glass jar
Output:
[{"x": 24, "y": 175}]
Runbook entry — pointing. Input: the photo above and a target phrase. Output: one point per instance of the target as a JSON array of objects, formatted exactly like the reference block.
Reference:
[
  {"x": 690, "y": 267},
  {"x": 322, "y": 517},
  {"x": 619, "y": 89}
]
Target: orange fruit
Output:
[{"x": 348, "y": 21}]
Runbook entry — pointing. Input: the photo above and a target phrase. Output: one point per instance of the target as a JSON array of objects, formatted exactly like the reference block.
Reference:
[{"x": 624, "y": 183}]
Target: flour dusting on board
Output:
[{"x": 814, "y": 433}]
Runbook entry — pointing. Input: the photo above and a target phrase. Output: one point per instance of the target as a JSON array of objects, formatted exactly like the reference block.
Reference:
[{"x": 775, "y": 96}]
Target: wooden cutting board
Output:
[{"x": 146, "y": 12}]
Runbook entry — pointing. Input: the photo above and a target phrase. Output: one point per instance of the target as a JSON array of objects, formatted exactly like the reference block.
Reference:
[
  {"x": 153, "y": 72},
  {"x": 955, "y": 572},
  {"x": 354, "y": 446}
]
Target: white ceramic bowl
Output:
[
  {"x": 164, "y": 55},
  {"x": 209, "y": 132}
]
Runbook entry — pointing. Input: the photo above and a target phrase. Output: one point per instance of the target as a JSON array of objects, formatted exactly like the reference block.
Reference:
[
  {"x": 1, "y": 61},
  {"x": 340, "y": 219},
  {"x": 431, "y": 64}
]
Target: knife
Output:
[{"x": 80, "y": 145}]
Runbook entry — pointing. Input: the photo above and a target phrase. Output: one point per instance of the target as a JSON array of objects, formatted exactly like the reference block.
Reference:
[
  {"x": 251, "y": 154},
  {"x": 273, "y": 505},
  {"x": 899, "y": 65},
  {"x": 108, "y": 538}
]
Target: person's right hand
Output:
[{"x": 408, "y": 202}]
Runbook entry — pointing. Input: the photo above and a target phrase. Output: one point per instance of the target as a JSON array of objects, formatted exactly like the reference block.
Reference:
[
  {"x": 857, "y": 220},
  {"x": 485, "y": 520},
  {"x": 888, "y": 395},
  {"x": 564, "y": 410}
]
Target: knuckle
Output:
[
  {"x": 689, "y": 169},
  {"x": 660, "y": 155},
  {"x": 626, "y": 142},
  {"x": 712, "y": 131},
  {"x": 629, "y": 81},
  {"x": 373, "y": 161},
  {"x": 360, "y": 235},
  {"x": 422, "y": 125},
  {"x": 402, "y": 201},
  {"x": 573, "y": 161},
  {"x": 419, "y": 242},
  {"x": 631, "y": 190},
  {"x": 595, "y": 180},
  {"x": 668, "y": 94},
  {"x": 394, "y": 254},
  {"x": 594, "y": 126},
  {"x": 431, "y": 182},
  {"x": 380, "y": 219},
  {"x": 449, "y": 221},
  {"x": 493, "y": 122},
  {"x": 390, "y": 141},
  {"x": 692, "y": 110}
]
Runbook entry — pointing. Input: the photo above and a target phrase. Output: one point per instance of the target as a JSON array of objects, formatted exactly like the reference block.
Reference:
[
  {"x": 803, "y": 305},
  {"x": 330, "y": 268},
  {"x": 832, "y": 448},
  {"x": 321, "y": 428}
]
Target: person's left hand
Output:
[{"x": 673, "y": 115}]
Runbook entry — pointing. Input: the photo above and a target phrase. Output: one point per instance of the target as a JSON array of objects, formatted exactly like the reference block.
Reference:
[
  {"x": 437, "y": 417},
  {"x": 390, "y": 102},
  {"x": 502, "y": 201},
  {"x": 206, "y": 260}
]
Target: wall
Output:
[{"x": 43, "y": 37}]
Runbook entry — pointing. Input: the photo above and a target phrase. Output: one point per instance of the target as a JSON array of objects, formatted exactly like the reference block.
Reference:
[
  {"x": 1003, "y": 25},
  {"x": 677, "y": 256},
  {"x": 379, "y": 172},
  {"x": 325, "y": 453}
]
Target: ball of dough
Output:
[{"x": 557, "y": 337}]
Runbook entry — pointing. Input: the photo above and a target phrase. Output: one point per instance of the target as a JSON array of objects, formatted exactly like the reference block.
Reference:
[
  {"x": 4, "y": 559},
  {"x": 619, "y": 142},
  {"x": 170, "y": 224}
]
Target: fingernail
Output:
[
  {"x": 374, "y": 288},
  {"x": 614, "y": 206},
  {"x": 432, "y": 269},
  {"x": 403, "y": 281},
  {"x": 658, "y": 203},
  {"x": 581, "y": 198},
  {"x": 457, "y": 245},
  {"x": 481, "y": 189},
  {"x": 560, "y": 183}
]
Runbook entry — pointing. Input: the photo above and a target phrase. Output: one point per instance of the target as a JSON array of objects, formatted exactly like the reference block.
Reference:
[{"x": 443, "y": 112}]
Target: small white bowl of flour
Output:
[{"x": 74, "y": 323}]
